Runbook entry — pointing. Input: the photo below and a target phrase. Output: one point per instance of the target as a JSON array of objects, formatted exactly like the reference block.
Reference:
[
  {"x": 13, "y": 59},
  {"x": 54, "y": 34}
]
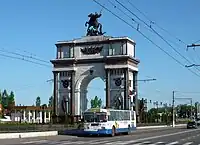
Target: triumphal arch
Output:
[{"x": 79, "y": 61}]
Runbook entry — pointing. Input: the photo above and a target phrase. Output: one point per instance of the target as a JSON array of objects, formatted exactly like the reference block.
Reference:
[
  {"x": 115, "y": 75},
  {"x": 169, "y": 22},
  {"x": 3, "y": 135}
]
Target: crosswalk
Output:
[{"x": 109, "y": 142}]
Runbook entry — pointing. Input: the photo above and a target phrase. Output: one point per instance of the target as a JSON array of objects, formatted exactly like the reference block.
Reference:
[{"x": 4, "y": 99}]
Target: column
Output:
[
  {"x": 136, "y": 95},
  {"x": 45, "y": 116},
  {"x": 16, "y": 116},
  {"x": 83, "y": 100},
  {"x": 126, "y": 89},
  {"x": 72, "y": 97},
  {"x": 49, "y": 116},
  {"x": 55, "y": 98},
  {"x": 40, "y": 116},
  {"x": 33, "y": 116},
  {"x": 29, "y": 116},
  {"x": 107, "y": 88},
  {"x": 24, "y": 115}
]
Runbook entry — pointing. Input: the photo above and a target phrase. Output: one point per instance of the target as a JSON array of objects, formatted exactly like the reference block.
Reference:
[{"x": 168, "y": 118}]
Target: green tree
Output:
[
  {"x": 1, "y": 105},
  {"x": 5, "y": 99},
  {"x": 38, "y": 101},
  {"x": 0, "y": 97},
  {"x": 184, "y": 111},
  {"x": 11, "y": 100},
  {"x": 96, "y": 102},
  {"x": 50, "y": 101},
  {"x": 44, "y": 105}
]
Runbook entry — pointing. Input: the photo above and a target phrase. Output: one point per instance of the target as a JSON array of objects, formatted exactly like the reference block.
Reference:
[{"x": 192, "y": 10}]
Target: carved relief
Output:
[
  {"x": 65, "y": 83},
  {"x": 118, "y": 81},
  {"x": 92, "y": 50}
]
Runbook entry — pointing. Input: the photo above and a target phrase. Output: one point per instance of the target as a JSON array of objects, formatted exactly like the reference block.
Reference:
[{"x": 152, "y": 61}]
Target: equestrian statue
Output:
[{"x": 94, "y": 27}]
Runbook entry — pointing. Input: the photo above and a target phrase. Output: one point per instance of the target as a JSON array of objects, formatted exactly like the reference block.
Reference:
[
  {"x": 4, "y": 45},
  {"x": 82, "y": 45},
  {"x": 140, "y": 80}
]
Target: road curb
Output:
[
  {"x": 27, "y": 134},
  {"x": 159, "y": 126}
]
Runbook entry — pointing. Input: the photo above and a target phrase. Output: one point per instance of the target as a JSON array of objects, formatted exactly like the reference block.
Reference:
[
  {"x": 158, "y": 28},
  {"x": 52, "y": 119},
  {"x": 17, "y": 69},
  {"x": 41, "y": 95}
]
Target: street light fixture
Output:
[{"x": 192, "y": 65}]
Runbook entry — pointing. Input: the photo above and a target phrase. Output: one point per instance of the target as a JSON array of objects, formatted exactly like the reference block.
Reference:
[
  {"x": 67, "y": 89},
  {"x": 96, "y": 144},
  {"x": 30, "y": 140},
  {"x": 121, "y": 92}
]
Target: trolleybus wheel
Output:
[
  {"x": 129, "y": 131},
  {"x": 113, "y": 131}
]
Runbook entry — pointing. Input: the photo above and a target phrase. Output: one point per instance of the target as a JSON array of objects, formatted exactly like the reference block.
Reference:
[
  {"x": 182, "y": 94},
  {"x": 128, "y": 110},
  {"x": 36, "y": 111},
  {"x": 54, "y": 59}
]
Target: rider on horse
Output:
[{"x": 94, "y": 24}]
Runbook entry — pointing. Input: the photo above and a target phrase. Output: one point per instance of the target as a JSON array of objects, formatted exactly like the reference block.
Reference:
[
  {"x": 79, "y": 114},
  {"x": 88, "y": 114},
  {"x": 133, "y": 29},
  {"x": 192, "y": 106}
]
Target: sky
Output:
[{"x": 33, "y": 27}]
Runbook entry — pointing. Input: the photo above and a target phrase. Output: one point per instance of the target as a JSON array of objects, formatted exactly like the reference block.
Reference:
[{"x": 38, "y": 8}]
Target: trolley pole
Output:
[{"x": 173, "y": 112}]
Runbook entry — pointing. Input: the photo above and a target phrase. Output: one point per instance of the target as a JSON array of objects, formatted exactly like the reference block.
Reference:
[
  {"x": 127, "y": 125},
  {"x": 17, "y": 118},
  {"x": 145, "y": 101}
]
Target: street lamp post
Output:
[{"x": 173, "y": 112}]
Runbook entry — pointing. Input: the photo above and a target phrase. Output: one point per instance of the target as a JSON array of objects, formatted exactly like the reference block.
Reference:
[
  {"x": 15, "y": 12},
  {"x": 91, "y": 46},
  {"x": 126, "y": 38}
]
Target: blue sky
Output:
[{"x": 35, "y": 26}]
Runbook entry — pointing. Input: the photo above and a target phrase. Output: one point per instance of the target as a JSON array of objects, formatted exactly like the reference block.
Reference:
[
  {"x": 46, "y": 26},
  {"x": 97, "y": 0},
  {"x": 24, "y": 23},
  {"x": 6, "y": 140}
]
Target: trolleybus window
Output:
[
  {"x": 119, "y": 115},
  {"x": 94, "y": 116}
]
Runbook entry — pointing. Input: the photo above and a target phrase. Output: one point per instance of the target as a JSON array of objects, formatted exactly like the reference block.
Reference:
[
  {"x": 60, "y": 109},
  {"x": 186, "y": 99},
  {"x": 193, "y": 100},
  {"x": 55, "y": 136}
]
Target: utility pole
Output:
[
  {"x": 196, "y": 110},
  {"x": 157, "y": 110},
  {"x": 173, "y": 113},
  {"x": 191, "y": 108}
]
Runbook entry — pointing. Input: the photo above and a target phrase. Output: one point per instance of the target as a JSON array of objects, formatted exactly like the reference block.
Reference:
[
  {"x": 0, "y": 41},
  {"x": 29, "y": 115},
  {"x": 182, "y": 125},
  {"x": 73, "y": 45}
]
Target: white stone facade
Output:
[{"x": 81, "y": 60}]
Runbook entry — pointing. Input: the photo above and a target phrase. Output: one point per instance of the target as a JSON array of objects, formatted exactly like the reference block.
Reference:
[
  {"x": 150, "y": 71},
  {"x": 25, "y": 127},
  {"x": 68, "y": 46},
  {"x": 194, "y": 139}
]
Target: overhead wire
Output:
[
  {"x": 179, "y": 62},
  {"x": 157, "y": 34},
  {"x": 26, "y": 56},
  {"x": 196, "y": 41},
  {"x": 166, "y": 31},
  {"x": 23, "y": 59},
  {"x": 138, "y": 24},
  {"x": 153, "y": 22},
  {"x": 25, "y": 51}
]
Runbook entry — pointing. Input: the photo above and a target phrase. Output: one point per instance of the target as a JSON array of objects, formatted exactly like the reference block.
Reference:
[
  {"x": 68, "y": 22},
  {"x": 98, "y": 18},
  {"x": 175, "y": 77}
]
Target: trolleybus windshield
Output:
[{"x": 95, "y": 117}]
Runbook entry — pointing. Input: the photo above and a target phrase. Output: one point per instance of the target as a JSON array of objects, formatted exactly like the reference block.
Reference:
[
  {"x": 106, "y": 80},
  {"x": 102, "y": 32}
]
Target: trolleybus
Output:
[{"x": 99, "y": 121}]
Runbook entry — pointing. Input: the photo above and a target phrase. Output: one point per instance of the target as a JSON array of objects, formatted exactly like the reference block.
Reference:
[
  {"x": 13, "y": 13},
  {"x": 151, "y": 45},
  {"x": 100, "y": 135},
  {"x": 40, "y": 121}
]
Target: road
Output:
[{"x": 172, "y": 136}]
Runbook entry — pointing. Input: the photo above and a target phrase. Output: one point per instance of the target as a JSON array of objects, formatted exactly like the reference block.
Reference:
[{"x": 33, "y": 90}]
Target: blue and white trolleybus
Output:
[{"x": 99, "y": 121}]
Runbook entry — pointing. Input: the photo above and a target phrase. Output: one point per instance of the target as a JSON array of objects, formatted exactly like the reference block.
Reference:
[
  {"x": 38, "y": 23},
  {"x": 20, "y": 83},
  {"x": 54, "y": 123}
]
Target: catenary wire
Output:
[
  {"x": 157, "y": 34},
  {"x": 10, "y": 52},
  {"x": 14, "y": 57},
  {"x": 153, "y": 22},
  {"x": 166, "y": 31},
  {"x": 145, "y": 37}
]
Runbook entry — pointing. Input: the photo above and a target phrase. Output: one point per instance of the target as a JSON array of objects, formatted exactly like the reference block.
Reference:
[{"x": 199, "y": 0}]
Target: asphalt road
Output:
[{"x": 172, "y": 136}]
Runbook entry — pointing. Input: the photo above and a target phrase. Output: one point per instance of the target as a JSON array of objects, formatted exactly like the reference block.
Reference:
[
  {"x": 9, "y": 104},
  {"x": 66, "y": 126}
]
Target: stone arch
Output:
[
  {"x": 111, "y": 58},
  {"x": 81, "y": 87}
]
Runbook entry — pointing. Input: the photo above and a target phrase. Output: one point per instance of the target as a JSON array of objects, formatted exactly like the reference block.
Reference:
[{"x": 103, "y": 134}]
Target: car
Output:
[
  {"x": 191, "y": 124},
  {"x": 198, "y": 121}
]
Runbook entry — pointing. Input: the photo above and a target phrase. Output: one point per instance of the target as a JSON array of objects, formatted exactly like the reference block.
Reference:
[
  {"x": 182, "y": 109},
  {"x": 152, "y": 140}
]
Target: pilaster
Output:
[
  {"x": 126, "y": 89},
  {"x": 107, "y": 88},
  {"x": 72, "y": 98}
]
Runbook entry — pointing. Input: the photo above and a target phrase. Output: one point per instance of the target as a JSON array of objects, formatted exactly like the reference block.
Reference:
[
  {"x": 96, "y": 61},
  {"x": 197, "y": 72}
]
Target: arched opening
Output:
[
  {"x": 90, "y": 87},
  {"x": 96, "y": 87}
]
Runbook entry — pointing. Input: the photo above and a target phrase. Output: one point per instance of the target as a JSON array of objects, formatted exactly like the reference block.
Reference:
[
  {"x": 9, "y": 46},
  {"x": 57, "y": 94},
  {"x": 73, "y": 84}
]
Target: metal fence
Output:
[{"x": 16, "y": 128}]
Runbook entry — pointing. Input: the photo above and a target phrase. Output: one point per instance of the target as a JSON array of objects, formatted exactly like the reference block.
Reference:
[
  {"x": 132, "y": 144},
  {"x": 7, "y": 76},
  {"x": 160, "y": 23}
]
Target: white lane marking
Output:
[
  {"x": 138, "y": 143},
  {"x": 98, "y": 142},
  {"x": 172, "y": 143},
  {"x": 157, "y": 143},
  {"x": 159, "y": 136},
  {"x": 69, "y": 142},
  {"x": 109, "y": 143},
  {"x": 36, "y": 141},
  {"x": 187, "y": 143}
]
